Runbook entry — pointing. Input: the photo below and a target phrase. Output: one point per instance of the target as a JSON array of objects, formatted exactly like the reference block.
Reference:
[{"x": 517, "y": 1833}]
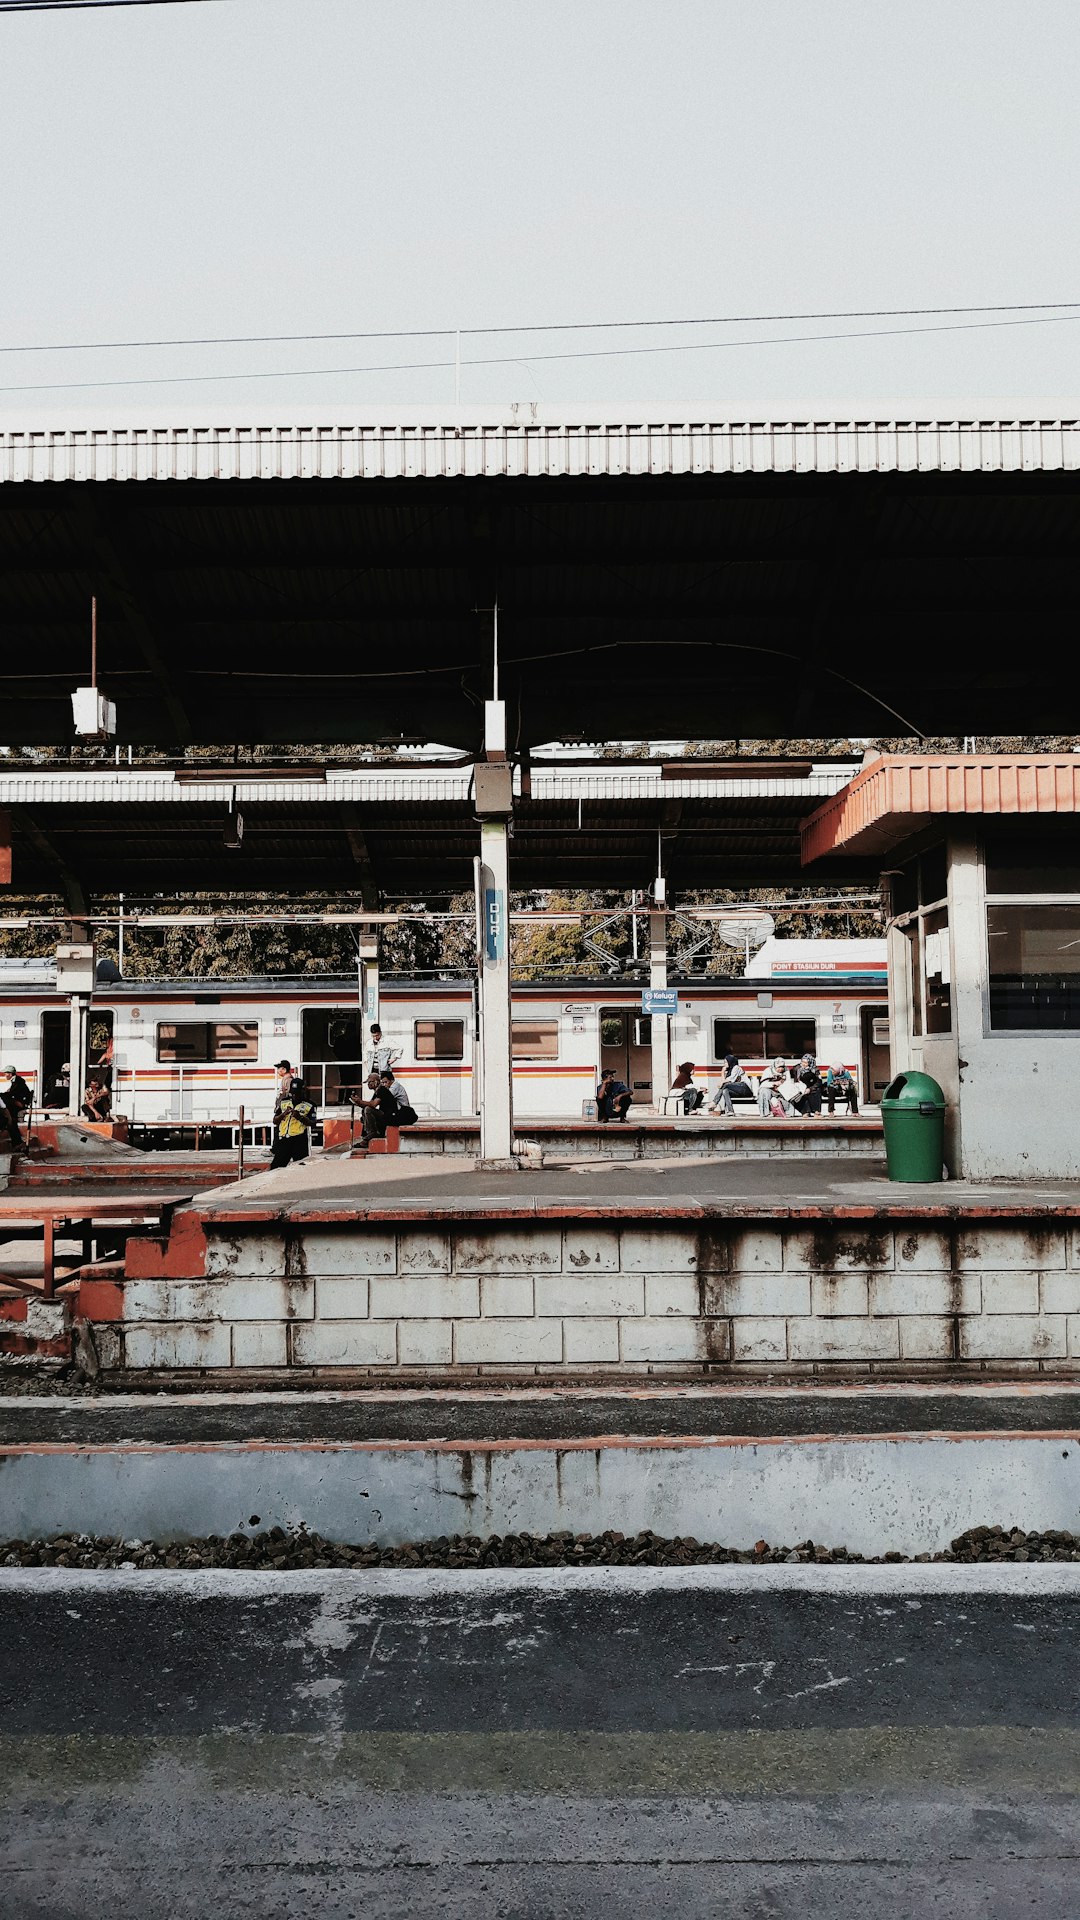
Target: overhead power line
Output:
[
  {"x": 525, "y": 360},
  {"x": 82, "y": 6},
  {"x": 549, "y": 326}
]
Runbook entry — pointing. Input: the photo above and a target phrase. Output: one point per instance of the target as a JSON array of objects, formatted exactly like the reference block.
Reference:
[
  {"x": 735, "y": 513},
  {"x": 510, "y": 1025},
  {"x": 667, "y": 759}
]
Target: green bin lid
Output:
[{"x": 913, "y": 1090}]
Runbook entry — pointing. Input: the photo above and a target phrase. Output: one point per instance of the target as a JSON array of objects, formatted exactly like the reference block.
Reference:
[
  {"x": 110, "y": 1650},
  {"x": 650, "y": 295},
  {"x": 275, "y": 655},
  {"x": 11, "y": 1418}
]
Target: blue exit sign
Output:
[{"x": 662, "y": 1000}]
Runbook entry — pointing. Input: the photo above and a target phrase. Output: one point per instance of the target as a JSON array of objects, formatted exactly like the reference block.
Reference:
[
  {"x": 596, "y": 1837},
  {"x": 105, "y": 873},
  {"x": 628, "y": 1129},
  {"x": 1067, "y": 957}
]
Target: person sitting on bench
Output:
[
  {"x": 840, "y": 1085},
  {"x": 613, "y": 1097},
  {"x": 382, "y": 1110},
  {"x": 683, "y": 1084}
]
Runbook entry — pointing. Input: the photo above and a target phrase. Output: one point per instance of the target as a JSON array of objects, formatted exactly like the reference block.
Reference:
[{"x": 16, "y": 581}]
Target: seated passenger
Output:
[
  {"x": 406, "y": 1111},
  {"x": 613, "y": 1097},
  {"x": 771, "y": 1102},
  {"x": 732, "y": 1076},
  {"x": 808, "y": 1100},
  {"x": 840, "y": 1085},
  {"x": 683, "y": 1083},
  {"x": 383, "y": 1109},
  {"x": 59, "y": 1093},
  {"x": 97, "y": 1100}
]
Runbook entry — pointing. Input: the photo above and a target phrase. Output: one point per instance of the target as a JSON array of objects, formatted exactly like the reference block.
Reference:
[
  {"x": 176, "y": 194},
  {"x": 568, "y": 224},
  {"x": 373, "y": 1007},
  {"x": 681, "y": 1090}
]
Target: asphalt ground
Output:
[
  {"x": 803, "y": 1741},
  {"x": 536, "y": 1414}
]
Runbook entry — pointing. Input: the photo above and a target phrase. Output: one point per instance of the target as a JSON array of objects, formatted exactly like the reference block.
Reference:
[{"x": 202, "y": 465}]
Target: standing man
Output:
[
  {"x": 293, "y": 1117},
  {"x": 17, "y": 1100},
  {"x": 383, "y": 1055}
]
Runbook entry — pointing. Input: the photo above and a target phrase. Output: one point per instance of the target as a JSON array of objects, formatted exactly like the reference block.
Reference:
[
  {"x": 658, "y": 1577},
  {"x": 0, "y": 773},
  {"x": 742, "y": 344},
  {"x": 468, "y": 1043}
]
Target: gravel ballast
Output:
[{"x": 279, "y": 1551}]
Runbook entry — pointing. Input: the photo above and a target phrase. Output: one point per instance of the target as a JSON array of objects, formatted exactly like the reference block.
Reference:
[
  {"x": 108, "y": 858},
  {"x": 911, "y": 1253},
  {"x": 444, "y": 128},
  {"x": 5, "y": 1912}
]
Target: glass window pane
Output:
[
  {"x": 332, "y": 1033},
  {"x": 933, "y": 876},
  {"x": 790, "y": 1038},
  {"x": 914, "y": 947},
  {"x": 904, "y": 888},
  {"x": 439, "y": 1039},
  {"x": 1032, "y": 861},
  {"x": 234, "y": 1040},
  {"x": 937, "y": 976},
  {"x": 183, "y": 1041},
  {"x": 740, "y": 1037},
  {"x": 1034, "y": 965},
  {"x": 535, "y": 1040}
]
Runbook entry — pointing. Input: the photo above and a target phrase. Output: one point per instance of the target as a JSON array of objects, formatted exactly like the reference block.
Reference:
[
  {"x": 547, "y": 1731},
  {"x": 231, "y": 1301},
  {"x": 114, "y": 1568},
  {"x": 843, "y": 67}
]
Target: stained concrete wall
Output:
[
  {"x": 547, "y": 1295},
  {"x": 908, "y": 1493}
]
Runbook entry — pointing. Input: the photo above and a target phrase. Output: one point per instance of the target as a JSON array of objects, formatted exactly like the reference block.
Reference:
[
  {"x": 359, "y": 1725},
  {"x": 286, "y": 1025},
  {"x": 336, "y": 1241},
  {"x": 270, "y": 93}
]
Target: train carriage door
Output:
[
  {"x": 875, "y": 1069},
  {"x": 55, "y": 1049},
  {"x": 626, "y": 1047},
  {"x": 639, "y": 1078},
  {"x": 615, "y": 1042}
]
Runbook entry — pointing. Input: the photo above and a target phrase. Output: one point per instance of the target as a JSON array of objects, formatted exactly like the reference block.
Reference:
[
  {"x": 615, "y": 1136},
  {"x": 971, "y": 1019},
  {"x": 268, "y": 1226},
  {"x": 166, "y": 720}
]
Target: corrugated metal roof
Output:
[
  {"x": 527, "y": 445},
  {"x": 124, "y": 786},
  {"x": 893, "y": 797}
]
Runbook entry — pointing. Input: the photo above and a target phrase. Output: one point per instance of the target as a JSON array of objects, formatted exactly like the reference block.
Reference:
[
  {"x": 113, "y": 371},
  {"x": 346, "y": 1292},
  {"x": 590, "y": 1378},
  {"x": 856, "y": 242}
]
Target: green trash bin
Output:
[{"x": 913, "y": 1115}]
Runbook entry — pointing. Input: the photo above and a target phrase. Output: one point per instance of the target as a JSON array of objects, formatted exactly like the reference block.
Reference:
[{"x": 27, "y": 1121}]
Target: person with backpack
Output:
[{"x": 294, "y": 1116}]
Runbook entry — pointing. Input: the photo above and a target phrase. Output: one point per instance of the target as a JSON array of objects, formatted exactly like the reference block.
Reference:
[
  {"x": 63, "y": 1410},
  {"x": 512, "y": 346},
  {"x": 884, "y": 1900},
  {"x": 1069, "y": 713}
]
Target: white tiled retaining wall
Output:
[{"x": 629, "y": 1296}]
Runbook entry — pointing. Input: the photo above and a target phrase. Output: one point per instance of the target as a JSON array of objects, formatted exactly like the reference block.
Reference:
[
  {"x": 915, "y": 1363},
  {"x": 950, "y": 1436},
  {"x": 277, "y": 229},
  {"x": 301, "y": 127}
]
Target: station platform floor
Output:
[{"x": 403, "y": 1186}]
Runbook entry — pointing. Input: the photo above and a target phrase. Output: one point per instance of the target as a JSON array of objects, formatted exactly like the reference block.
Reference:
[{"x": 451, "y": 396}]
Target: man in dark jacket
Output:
[
  {"x": 382, "y": 1110},
  {"x": 613, "y": 1097},
  {"x": 293, "y": 1115},
  {"x": 17, "y": 1100}
]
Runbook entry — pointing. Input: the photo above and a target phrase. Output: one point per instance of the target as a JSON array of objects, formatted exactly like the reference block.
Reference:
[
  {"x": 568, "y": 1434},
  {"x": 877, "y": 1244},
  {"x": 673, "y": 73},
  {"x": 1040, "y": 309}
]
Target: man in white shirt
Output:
[{"x": 383, "y": 1056}]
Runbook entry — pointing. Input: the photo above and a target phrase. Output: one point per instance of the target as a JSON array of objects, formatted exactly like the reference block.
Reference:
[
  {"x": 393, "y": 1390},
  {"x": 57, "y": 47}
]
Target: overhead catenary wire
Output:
[
  {"x": 90, "y": 6},
  {"x": 517, "y": 359},
  {"x": 545, "y": 326}
]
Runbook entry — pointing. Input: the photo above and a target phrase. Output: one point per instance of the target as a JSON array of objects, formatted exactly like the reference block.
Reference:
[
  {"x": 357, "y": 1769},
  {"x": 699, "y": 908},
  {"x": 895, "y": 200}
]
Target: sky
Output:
[{"x": 349, "y": 166}]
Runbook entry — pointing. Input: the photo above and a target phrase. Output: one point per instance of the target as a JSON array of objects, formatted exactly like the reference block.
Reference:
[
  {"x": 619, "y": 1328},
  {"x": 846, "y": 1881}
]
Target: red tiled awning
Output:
[{"x": 900, "y": 794}]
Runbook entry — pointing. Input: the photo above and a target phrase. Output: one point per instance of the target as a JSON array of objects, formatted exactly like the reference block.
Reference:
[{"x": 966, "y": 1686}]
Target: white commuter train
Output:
[{"x": 184, "y": 1052}]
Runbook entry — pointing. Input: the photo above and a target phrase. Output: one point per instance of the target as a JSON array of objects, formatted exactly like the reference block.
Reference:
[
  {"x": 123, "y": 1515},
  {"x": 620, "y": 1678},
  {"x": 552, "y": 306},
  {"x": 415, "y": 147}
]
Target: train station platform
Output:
[
  {"x": 642, "y": 1135},
  {"x": 393, "y": 1269}
]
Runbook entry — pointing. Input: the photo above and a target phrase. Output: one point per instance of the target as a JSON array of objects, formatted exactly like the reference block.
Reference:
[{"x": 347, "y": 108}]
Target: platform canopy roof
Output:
[
  {"x": 385, "y": 830},
  {"x": 898, "y": 797},
  {"x": 329, "y": 583}
]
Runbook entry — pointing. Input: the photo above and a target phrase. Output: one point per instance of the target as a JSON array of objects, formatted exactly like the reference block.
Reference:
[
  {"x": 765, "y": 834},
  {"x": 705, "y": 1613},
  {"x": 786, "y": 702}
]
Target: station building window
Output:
[
  {"x": 535, "y": 1039},
  {"x": 1033, "y": 929},
  {"x": 439, "y": 1039},
  {"x": 193, "y": 1042}
]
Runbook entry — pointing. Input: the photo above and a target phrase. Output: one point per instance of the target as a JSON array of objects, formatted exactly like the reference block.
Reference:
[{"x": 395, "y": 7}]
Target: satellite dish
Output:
[{"x": 746, "y": 928}]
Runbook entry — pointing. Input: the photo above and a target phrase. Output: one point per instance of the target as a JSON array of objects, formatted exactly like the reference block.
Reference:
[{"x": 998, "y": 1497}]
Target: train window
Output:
[
  {"x": 535, "y": 1040},
  {"x": 190, "y": 1042},
  {"x": 439, "y": 1039},
  {"x": 790, "y": 1038},
  {"x": 740, "y": 1037}
]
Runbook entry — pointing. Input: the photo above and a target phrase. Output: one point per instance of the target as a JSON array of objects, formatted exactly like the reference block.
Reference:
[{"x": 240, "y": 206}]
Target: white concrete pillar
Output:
[
  {"x": 368, "y": 962},
  {"x": 661, "y": 1026},
  {"x": 494, "y": 1063},
  {"x": 77, "y": 1052}
]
